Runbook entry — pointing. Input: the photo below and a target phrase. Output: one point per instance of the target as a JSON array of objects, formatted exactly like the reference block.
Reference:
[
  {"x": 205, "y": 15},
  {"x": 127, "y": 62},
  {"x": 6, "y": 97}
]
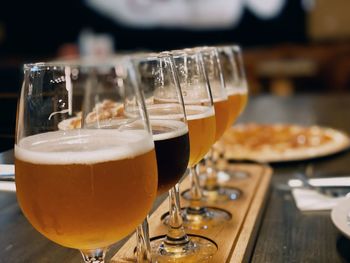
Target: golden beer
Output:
[
  {"x": 201, "y": 126},
  {"x": 234, "y": 107},
  {"x": 222, "y": 114},
  {"x": 236, "y": 104},
  {"x": 86, "y": 189},
  {"x": 243, "y": 101}
]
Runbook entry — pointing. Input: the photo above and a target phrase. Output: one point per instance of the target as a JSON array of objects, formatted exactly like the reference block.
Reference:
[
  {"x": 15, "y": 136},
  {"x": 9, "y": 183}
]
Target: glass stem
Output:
[
  {"x": 176, "y": 233},
  {"x": 143, "y": 247},
  {"x": 94, "y": 255},
  {"x": 196, "y": 193},
  {"x": 211, "y": 180}
]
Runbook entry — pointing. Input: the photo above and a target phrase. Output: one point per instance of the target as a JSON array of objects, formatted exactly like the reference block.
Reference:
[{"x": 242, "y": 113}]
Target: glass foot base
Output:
[
  {"x": 225, "y": 176},
  {"x": 221, "y": 194},
  {"x": 198, "y": 249},
  {"x": 217, "y": 195},
  {"x": 206, "y": 217}
]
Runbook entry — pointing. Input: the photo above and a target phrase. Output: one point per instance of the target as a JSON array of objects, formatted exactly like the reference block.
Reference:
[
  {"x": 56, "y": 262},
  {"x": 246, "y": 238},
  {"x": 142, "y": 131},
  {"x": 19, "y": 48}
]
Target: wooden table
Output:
[{"x": 285, "y": 234}]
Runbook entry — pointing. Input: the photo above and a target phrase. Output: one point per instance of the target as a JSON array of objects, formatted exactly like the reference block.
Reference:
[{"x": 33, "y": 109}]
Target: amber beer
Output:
[
  {"x": 171, "y": 141},
  {"x": 202, "y": 129},
  {"x": 86, "y": 189},
  {"x": 222, "y": 115},
  {"x": 243, "y": 101},
  {"x": 237, "y": 101}
]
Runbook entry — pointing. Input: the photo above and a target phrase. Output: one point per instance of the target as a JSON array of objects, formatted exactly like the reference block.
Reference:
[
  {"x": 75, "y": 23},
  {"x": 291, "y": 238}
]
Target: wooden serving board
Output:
[{"x": 236, "y": 237}]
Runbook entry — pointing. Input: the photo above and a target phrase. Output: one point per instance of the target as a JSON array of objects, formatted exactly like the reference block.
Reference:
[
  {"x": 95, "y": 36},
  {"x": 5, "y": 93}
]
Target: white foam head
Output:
[
  {"x": 194, "y": 112},
  {"x": 83, "y": 146},
  {"x": 236, "y": 90},
  {"x": 219, "y": 99},
  {"x": 166, "y": 111},
  {"x": 172, "y": 129}
]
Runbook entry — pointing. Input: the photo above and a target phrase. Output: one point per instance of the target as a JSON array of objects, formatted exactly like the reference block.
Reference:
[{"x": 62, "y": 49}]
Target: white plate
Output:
[
  {"x": 7, "y": 169},
  {"x": 8, "y": 186},
  {"x": 341, "y": 216}
]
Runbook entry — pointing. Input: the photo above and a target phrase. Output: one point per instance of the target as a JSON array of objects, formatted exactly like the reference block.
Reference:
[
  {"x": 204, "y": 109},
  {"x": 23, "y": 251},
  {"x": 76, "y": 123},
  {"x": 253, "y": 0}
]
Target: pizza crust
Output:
[
  {"x": 105, "y": 110},
  {"x": 280, "y": 142}
]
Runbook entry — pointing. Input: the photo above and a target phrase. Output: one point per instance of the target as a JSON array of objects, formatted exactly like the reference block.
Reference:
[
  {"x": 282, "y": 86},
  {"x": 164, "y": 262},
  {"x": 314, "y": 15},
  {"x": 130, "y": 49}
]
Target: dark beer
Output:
[{"x": 172, "y": 147}]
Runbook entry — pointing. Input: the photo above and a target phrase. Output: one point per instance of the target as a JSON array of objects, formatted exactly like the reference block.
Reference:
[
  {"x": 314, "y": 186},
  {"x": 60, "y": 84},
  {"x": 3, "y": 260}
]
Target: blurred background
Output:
[{"x": 290, "y": 46}]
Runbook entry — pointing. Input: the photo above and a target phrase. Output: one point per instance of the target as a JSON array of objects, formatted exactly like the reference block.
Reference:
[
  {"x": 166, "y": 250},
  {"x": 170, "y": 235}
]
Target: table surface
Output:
[{"x": 285, "y": 233}]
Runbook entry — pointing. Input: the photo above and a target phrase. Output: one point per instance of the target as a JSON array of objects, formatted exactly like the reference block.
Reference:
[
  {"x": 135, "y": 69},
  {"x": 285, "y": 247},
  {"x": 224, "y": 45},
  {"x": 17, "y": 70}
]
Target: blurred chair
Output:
[{"x": 289, "y": 69}]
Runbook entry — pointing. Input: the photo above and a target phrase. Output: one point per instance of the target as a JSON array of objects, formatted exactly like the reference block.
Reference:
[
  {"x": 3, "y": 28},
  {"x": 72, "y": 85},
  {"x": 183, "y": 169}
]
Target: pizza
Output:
[
  {"x": 105, "y": 110},
  {"x": 280, "y": 142}
]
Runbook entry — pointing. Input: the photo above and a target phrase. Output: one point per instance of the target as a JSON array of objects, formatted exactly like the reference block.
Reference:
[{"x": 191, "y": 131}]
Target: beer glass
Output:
[
  {"x": 164, "y": 102},
  {"x": 86, "y": 173},
  {"x": 235, "y": 80},
  {"x": 237, "y": 91},
  {"x": 203, "y": 128},
  {"x": 237, "y": 88}
]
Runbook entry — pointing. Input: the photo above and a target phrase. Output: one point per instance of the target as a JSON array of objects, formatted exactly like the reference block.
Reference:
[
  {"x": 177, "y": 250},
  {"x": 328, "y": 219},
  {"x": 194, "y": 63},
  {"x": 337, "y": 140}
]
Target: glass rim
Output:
[
  {"x": 183, "y": 52},
  {"x": 150, "y": 56},
  {"x": 234, "y": 47},
  {"x": 192, "y": 50},
  {"x": 89, "y": 62}
]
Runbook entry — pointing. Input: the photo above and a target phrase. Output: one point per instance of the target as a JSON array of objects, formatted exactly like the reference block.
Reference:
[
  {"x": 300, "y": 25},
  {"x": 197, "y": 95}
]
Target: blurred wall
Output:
[
  {"x": 37, "y": 29},
  {"x": 329, "y": 20}
]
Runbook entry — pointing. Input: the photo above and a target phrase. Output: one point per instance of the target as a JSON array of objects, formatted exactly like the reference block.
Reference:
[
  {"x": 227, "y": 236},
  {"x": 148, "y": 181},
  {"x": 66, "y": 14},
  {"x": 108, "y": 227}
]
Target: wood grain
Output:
[
  {"x": 226, "y": 236},
  {"x": 244, "y": 246}
]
